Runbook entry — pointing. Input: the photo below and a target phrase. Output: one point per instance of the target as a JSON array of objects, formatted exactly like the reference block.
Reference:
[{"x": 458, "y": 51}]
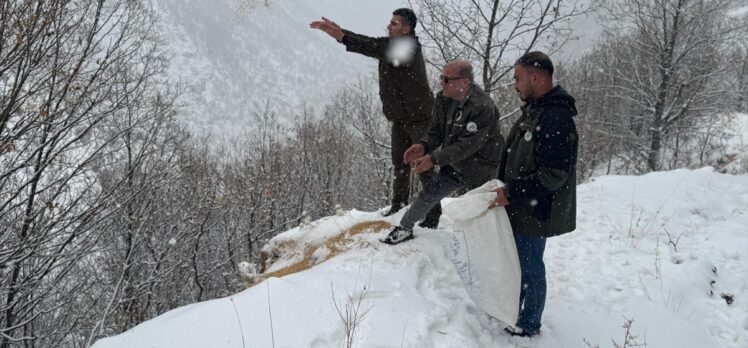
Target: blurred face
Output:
[
  {"x": 523, "y": 83},
  {"x": 398, "y": 27},
  {"x": 453, "y": 85}
]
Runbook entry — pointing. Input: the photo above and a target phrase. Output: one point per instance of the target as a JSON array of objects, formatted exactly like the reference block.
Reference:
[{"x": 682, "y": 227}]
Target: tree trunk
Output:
[{"x": 655, "y": 146}]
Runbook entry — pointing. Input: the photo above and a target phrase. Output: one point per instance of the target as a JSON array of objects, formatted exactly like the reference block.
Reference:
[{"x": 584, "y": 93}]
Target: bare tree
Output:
[
  {"x": 69, "y": 70},
  {"x": 492, "y": 33},
  {"x": 141, "y": 228},
  {"x": 738, "y": 59},
  {"x": 669, "y": 74},
  {"x": 360, "y": 108}
]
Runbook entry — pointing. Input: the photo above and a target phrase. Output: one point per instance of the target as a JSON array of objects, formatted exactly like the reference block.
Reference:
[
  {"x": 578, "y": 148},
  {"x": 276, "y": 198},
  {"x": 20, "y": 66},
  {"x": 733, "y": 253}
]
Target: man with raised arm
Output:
[{"x": 404, "y": 90}]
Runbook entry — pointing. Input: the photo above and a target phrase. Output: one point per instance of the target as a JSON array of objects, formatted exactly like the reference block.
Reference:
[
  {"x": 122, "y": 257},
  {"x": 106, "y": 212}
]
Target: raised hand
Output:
[{"x": 329, "y": 27}]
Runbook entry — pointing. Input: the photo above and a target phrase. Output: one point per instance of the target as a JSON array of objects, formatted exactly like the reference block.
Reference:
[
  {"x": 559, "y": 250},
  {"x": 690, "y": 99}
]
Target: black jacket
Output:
[
  {"x": 473, "y": 144},
  {"x": 403, "y": 88},
  {"x": 539, "y": 166}
]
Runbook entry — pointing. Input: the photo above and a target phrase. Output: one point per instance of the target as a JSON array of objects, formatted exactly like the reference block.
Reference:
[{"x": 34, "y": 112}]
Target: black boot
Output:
[
  {"x": 519, "y": 332},
  {"x": 432, "y": 218},
  {"x": 398, "y": 234}
]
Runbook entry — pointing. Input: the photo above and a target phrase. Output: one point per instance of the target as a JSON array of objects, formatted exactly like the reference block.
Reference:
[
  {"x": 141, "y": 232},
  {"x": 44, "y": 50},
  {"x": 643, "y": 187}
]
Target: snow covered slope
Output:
[
  {"x": 233, "y": 59},
  {"x": 620, "y": 264}
]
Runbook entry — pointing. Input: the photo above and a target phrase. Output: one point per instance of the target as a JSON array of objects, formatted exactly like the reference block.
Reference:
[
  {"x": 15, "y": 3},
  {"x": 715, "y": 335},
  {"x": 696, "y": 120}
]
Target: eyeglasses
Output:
[{"x": 448, "y": 79}]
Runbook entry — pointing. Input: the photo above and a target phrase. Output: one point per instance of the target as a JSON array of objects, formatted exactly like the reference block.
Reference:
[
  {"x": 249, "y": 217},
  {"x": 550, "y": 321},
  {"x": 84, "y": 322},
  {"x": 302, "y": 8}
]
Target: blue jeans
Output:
[
  {"x": 440, "y": 186},
  {"x": 532, "y": 296}
]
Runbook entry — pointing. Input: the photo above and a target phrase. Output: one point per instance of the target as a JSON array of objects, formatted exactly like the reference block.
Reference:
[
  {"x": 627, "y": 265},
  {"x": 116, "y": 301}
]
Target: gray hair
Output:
[{"x": 464, "y": 68}]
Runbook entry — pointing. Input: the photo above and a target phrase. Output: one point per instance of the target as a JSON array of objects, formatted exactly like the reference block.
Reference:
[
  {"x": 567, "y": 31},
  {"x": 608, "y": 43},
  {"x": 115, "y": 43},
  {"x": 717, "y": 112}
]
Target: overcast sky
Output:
[{"x": 366, "y": 17}]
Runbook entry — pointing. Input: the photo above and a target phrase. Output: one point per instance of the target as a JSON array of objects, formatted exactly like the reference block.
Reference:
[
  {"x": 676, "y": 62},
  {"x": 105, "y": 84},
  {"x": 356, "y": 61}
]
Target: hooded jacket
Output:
[{"x": 539, "y": 166}]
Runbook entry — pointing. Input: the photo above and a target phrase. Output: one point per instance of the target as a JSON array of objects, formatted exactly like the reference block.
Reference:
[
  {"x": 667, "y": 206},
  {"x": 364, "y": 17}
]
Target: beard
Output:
[{"x": 525, "y": 97}]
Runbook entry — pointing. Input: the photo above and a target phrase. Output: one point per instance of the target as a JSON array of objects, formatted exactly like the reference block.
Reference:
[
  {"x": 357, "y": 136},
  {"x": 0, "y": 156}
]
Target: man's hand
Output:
[
  {"x": 422, "y": 164},
  {"x": 413, "y": 152},
  {"x": 500, "y": 200},
  {"x": 329, "y": 27}
]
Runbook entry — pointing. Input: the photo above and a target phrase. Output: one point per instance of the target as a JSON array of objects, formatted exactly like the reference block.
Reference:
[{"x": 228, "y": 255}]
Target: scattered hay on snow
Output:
[{"x": 312, "y": 254}]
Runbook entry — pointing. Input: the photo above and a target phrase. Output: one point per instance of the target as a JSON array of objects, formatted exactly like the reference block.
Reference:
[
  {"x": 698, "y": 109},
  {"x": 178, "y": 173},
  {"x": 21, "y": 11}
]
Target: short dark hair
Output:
[
  {"x": 408, "y": 15},
  {"x": 536, "y": 60}
]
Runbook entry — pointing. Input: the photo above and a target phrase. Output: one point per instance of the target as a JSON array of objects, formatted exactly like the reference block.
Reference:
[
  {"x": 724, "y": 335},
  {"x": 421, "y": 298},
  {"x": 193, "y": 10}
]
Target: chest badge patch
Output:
[
  {"x": 528, "y": 136},
  {"x": 471, "y": 127}
]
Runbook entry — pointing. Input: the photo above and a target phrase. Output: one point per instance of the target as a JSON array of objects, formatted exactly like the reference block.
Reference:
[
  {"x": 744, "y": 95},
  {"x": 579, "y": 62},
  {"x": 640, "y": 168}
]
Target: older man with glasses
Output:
[{"x": 464, "y": 140}]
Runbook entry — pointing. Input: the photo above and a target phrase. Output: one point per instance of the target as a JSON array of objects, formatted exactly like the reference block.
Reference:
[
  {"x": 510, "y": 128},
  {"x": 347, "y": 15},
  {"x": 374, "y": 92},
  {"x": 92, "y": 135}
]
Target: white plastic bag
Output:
[{"x": 484, "y": 252}]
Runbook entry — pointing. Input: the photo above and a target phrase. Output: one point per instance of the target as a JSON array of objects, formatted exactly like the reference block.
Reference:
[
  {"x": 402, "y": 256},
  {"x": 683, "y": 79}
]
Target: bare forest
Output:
[{"x": 113, "y": 212}]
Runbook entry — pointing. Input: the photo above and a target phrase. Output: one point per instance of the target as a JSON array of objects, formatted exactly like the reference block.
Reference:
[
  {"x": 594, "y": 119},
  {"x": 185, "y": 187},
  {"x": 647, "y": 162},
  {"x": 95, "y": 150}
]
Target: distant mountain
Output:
[{"x": 234, "y": 59}]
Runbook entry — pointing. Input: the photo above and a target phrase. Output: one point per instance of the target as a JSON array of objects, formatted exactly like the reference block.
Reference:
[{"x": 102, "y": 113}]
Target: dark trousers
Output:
[
  {"x": 431, "y": 194},
  {"x": 403, "y": 136},
  {"x": 532, "y": 296}
]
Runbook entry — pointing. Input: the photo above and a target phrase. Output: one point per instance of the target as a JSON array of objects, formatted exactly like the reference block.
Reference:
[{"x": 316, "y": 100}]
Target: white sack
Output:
[{"x": 484, "y": 252}]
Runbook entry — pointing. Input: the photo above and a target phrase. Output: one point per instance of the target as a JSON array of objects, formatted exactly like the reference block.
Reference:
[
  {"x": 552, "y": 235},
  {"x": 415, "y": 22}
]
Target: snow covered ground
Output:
[{"x": 668, "y": 250}]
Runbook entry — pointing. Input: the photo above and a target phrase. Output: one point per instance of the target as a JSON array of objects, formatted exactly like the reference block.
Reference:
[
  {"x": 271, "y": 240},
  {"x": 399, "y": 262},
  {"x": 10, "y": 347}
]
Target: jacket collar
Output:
[
  {"x": 470, "y": 93},
  {"x": 556, "y": 96}
]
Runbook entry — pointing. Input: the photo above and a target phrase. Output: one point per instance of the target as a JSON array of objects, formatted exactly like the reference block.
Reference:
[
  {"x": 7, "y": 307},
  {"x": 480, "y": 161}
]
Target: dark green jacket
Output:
[
  {"x": 539, "y": 166},
  {"x": 472, "y": 145},
  {"x": 404, "y": 89}
]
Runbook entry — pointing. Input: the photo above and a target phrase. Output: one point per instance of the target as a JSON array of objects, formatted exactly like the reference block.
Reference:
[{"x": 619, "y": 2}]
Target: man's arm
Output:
[
  {"x": 554, "y": 155},
  {"x": 329, "y": 27},
  {"x": 433, "y": 137},
  {"x": 375, "y": 47},
  {"x": 368, "y": 46}
]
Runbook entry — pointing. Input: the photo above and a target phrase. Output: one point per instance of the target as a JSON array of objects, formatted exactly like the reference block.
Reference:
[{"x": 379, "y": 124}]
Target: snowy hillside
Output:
[
  {"x": 666, "y": 249},
  {"x": 233, "y": 59}
]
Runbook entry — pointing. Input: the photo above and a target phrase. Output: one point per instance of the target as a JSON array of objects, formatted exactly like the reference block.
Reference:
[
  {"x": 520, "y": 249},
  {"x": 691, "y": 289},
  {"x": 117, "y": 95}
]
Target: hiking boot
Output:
[
  {"x": 432, "y": 218},
  {"x": 430, "y": 222},
  {"x": 398, "y": 234},
  {"x": 519, "y": 332},
  {"x": 394, "y": 208}
]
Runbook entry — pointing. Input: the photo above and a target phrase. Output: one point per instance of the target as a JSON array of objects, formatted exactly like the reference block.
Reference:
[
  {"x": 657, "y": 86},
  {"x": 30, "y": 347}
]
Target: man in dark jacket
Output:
[
  {"x": 464, "y": 140},
  {"x": 404, "y": 89},
  {"x": 539, "y": 175}
]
